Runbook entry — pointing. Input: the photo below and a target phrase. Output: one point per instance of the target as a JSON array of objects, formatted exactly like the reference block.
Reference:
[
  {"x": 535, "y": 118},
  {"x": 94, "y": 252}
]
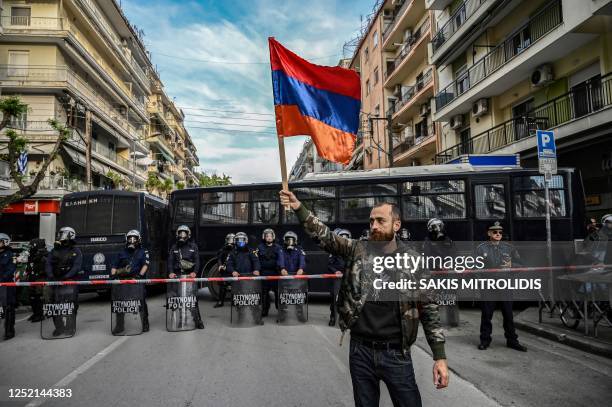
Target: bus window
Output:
[
  {"x": 225, "y": 207},
  {"x": 490, "y": 201},
  {"x": 443, "y": 199},
  {"x": 184, "y": 212},
  {"x": 320, "y": 200},
  {"x": 265, "y": 207},
  {"x": 356, "y": 201},
  {"x": 125, "y": 214},
  {"x": 529, "y": 194},
  {"x": 368, "y": 190},
  {"x": 99, "y": 215},
  {"x": 73, "y": 213}
]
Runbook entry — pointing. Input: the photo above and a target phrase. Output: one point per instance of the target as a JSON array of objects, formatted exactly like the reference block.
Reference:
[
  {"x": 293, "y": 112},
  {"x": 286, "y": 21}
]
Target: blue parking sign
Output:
[{"x": 546, "y": 144}]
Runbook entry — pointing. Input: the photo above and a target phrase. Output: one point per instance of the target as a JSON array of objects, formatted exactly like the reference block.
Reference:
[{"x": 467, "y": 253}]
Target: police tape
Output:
[{"x": 167, "y": 280}]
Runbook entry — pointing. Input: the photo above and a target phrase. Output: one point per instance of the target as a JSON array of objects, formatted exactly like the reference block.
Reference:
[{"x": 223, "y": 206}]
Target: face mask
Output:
[{"x": 241, "y": 243}]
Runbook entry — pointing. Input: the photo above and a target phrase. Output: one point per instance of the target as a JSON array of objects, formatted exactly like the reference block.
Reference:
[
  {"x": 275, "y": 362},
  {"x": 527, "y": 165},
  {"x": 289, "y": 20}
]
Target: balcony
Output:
[
  {"x": 415, "y": 149},
  {"x": 595, "y": 96},
  {"x": 16, "y": 24},
  {"x": 513, "y": 59},
  {"x": 61, "y": 77},
  {"x": 405, "y": 17},
  {"x": 413, "y": 94},
  {"x": 459, "y": 18},
  {"x": 51, "y": 185},
  {"x": 437, "y": 4},
  {"x": 411, "y": 55}
]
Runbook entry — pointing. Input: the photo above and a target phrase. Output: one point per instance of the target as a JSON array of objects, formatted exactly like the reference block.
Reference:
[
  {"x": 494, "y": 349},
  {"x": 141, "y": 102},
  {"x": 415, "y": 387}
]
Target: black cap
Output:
[{"x": 496, "y": 226}]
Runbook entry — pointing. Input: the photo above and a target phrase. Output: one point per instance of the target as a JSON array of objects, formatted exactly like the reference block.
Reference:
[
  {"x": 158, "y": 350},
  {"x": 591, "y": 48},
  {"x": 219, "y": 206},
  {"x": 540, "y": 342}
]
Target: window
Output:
[
  {"x": 99, "y": 215},
  {"x": 320, "y": 200},
  {"x": 366, "y": 54},
  {"x": 20, "y": 15},
  {"x": 376, "y": 76},
  {"x": 225, "y": 207},
  {"x": 367, "y": 87},
  {"x": 19, "y": 122},
  {"x": 265, "y": 207},
  {"x": 18, "y": 63},
  {"x": 375, "y": 39},
  {"x": 428, "y": 199},
  {"x": 184, "y": 212},
  {"x": 529, "y": 196},
  {"x": 125, "y": 214},
  {"x": 357, "y": 200},
  {"x": 490, "y": 201},
  {"x": 73, "y": 214}
]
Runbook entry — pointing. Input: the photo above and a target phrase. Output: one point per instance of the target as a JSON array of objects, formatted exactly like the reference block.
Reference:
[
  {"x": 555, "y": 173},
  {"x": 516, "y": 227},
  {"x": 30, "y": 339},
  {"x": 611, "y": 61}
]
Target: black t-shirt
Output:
[{"x": 379, "y": 321}]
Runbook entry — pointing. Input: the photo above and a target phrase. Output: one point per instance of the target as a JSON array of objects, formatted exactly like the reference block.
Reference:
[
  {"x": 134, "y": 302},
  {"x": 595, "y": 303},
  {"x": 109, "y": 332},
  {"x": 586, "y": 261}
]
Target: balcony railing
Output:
[
  {"x": 396, "y": 17},
  {"x": 53, "y": 182},
  {"x": 407, "y": 47},
  {"x": 459, "y": 17},
  {"x": 32, "y": 23},
  {"x": 592, "y": 96},
  {"x": 539, "y": 25},
  {"x": 408, "y": 92},
  {"x": 50, "y": 75}
]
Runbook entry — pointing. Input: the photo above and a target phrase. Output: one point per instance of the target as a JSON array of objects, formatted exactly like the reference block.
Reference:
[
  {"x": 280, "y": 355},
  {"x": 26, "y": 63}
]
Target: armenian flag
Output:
[{"x": 322, "y": 102}]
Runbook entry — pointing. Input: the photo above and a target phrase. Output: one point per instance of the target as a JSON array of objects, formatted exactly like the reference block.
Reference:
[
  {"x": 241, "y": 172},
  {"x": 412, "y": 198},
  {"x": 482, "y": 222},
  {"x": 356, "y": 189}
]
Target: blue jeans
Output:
[{"x": 368, "y": 367}]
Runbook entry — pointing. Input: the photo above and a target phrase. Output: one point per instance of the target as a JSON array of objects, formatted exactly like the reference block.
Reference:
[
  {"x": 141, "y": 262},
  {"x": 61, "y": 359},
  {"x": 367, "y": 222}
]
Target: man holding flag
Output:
[{"x": 324, "y": 103}]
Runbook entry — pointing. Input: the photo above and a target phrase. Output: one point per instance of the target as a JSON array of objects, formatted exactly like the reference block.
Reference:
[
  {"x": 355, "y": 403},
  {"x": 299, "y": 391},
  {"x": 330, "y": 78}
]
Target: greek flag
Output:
[{"x": 22, "y": 162}]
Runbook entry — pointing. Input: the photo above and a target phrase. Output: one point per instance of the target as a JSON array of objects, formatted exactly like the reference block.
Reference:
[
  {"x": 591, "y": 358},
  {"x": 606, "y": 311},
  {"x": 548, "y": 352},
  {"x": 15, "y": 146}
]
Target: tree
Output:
[
  {"x": 12, "y": 107},
  {"x": 180, "y": 185},
  {"x": 153, "y": 183},
  {"x": 214, "y": 180}
]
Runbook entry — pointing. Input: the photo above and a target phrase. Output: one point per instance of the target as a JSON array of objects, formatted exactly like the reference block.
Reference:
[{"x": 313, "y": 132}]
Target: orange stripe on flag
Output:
[{"x": 331, "y": 143}]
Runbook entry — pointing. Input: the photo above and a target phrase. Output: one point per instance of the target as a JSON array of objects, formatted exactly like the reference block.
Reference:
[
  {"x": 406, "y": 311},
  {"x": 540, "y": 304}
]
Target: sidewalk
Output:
[{"x": 553, "y": 329}]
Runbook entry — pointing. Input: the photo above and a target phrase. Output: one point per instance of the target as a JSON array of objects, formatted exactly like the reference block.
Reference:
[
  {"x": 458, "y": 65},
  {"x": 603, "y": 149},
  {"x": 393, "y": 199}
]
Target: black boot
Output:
[
  {"x": 37, "y": 314},
  {"x": 198, "y": 319},
  {"x": 9, "y": 323},
  {"x": 119, "y": 324},
  {"x": 221, "y": 299},
  {"x": 332, "y": 319},
  {"x": 145, "y": 317},
  {"x": 266, "y": 304}
]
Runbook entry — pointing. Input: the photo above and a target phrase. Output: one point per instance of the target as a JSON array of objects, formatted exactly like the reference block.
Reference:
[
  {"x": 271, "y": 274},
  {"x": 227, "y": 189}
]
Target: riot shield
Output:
[
  {"x": 292, "y": 302},
  {"x": 60, "y": 304},
  {"x": 181, "y": 306},
  {"x": 3, "y": 301},
  {"x": 246, "y": 303},
  {"x": 126, "y": 309}
]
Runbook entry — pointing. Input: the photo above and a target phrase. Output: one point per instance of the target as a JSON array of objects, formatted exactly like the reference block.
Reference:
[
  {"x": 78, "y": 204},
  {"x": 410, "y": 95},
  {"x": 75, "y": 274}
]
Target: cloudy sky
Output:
[{"x": 213, "y": 59}]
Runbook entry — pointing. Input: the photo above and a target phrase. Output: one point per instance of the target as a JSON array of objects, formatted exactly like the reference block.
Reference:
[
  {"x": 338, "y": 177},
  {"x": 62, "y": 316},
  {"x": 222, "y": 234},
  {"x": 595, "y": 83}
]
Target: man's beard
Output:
[{"x": 378, "y": 236}]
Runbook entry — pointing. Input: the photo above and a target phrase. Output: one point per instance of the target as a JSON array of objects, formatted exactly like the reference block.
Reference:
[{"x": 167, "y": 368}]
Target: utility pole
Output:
[
  {"x": 390, "y": 137},
  {"x": 389, "y": 151},
  {"x": 88, "y": 148}
]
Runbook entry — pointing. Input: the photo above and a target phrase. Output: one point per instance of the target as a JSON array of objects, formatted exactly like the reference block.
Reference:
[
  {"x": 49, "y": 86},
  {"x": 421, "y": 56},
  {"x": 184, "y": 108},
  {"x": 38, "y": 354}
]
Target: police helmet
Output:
[
  {"x": 229, "y": 239},
  {"x": 183, "y": 233},
  {"x": 404, "y": 235},
  {"x": 66, "y": 234},
  {"x": 4, "y": 238},
  {"x": 290, "y": 239},
  {"x": 132, "y": 237},
  {"x": 241, "y": 239},
  {"x": 343, "y": 233},
  {"x": 435, "y": 224},
  {"x": 606, "y": 219},
  {"x": 268, "y": 231},
  {"x": 365, "y": 234}
]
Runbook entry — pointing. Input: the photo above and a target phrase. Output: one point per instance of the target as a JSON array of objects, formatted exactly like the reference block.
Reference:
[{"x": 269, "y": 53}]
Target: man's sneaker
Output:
[{"x": 517, "y": 346}]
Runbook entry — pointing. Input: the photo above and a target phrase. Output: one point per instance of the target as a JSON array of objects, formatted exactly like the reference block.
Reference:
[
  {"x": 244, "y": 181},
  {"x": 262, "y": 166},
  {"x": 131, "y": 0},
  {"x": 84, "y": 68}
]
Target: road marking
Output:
[
  {"x": 21, "y": 319},
  {"x": 335, "y": 358},
  {"x": 81, "y": 369}
]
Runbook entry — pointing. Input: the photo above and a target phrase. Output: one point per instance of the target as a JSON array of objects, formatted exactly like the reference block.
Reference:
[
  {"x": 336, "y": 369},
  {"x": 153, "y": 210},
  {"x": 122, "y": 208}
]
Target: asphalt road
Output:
[{"x": 275, "y": 365}]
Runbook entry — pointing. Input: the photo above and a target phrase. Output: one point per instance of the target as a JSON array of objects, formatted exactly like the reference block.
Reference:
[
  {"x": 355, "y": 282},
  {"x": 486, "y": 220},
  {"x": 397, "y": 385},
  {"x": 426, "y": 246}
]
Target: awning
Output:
[
  {"x": 167, "y": 156},
  {"x": 79, "y": 158}
]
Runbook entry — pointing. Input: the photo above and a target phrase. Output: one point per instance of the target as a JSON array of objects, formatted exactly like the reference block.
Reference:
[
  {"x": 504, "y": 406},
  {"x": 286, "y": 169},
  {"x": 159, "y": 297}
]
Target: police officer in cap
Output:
[
  {"x": 498, "y": 254},
  {"x": 63, "y": 263},
  {"x": 183, "y": 261},
  {"x": 7, "y": 275},
  {"x": 243, "y": 260},
  {"x": 37, "y": 258},
  {"x": 271, "y": 259},
  {"x": 336, "y": 265},
  {"x": 222, "y": 256},
  {"x": 132, "y": 263}
]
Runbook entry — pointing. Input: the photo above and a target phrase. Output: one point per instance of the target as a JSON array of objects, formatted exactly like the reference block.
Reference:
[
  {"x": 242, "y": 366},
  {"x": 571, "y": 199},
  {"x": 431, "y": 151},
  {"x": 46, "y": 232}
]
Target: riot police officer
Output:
[
  {"x": 63, "y": 263},
  {"x": 294, "y": 255},
  {"x": 498, "y": 254},
  {"x": 132, "y": 263},
  {"x": 222, "y": 256},
  {"x": 365, "y": 235},
  {"x": 7, "y": 275},
  {"x": 404, "y": 235},
  {"x": 336, "y": 265},
  {"x": 184, "y": 260},
  {"x": 271, "y": 259},
  {"x": 243, "y": 260},
  {"x": 37, "y": 258}
]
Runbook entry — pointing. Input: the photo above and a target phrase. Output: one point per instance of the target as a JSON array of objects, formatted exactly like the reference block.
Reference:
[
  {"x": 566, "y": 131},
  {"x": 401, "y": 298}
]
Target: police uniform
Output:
[
  {"x": 36, "y": 272},
  {"x": 272, "y": 260},
  {"x": 187, "y": 251},
  {"x": 294, "y": 259},
  {"x": 335, "y": 264},
  {"x": 222, "y": 256},
  {"x": 498, "y": 255},
  {"x": 7, "y": 275},
  {"x": 243, "y": 261},
  {"x": 63, "y": 263},
  {"x": 129, "y": 263}
]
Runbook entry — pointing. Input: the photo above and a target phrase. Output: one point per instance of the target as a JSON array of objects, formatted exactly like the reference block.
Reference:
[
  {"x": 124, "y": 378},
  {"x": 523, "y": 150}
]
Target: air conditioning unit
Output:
[
  {"x": 397, "y": 90},
  {"x": 424, "y": 109},
  {"x": 456, "y": 122},
  {"x": 480, "y": 107},
  {"x": 542, "y": 75}
]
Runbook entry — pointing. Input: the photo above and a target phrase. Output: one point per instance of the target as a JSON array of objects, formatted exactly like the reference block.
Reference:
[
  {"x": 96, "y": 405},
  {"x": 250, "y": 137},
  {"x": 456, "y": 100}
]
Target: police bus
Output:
[
  {"x": 102, "y": 218},
  {"x": 467, "y": 198}
]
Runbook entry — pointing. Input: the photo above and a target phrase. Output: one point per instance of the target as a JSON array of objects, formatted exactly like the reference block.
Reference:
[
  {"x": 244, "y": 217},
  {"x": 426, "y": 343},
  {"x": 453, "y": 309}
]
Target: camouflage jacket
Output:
[{"x": 352, "y": 297}]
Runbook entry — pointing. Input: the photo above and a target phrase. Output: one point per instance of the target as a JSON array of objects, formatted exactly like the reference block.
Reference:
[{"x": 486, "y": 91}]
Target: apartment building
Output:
[
  {"x": 398, "y": 85},
  {"x": 82, "y": 63},
  {"x": 508, "y": 68},
  {"x": 310, "y": 162}
]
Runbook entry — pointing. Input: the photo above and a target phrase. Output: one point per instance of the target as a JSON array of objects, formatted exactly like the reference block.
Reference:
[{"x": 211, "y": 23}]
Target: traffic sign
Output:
[{"x": 546, "y": 144}]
